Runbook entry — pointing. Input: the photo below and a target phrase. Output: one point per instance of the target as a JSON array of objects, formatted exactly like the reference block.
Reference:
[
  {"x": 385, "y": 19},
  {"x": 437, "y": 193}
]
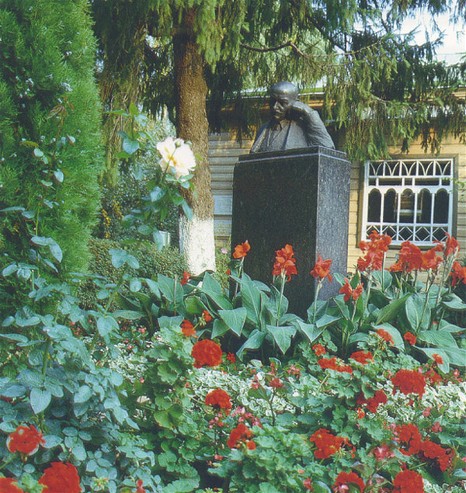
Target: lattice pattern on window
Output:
[{"x": 409, "y": 199}]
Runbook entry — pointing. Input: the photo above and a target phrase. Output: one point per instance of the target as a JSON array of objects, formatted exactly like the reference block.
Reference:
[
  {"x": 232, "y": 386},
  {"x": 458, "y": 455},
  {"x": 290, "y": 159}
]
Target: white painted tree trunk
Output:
[{"x": 197, "y": 244}]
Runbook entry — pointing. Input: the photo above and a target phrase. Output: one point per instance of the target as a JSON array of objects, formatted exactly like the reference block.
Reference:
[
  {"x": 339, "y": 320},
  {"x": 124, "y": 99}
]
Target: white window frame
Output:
[{"x": 412, "y": 174}]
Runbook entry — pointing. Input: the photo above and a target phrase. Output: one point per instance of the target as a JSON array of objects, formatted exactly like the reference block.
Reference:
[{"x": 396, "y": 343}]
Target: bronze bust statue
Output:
[{"x": 292, "y": 125}]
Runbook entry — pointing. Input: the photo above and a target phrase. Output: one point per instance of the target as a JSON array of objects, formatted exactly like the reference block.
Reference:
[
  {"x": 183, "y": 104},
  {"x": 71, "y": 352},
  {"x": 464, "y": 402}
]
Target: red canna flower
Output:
[
  {"x": 374, "y": 250},
  {"x": 321, "y": 269},
  {"x": 188, "y": 328},
  {"x": 60, "y": 477},
  {"x": 218, "y": 399},
  {"x": 25, "y": 440},
  {"x": 409, "y": 382},
  {"x": 186, "y": 276},
  {"x": 437, "y": 358},
  {"x": 344, "y": 479},
  {"x": 452, "y": 246},
  {"x": 410, "y": 338},
  {"x": 458, "y": 274},
  {"x": 9, "y": 485},
  {"x": 285, "y": 263},
  {"x": 386, "y": 336},
  {"x": 362, "y": 357},
  {"x": 241, "y": 250},
  {"x": 409, "y": 258},
  {"x": 349, "y": 292},
  {"x": 408, "y": 482},
  {"x": 206, "y": 353}
]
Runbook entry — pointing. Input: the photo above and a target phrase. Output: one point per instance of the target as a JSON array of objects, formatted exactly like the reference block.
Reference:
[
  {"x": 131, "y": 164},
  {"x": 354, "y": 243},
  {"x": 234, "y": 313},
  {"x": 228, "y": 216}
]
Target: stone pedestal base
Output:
[{"x": 300, "y": 197}]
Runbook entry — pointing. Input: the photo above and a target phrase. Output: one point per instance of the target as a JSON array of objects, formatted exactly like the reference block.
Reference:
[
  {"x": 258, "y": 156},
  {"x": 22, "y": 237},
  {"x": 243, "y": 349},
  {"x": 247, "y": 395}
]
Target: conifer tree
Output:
[
  {"x": 50, "y": 146},
  {"x": 379, "y": 87}
]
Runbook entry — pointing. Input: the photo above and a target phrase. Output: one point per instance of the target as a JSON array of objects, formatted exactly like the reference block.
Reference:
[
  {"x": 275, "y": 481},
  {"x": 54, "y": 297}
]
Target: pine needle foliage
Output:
[{"x": 49, "y": 126}]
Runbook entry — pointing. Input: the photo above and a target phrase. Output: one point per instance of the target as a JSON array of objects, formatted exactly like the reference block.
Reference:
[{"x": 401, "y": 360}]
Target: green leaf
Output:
[
  {"x": 40, "y": 399},
  {"x": 122, "y": 257},
  {"x": 251, "y": 299},
  {"x": 83, "y": 394},
  {"x": 454, "y": 303},
  {"x": 212, "y": 289},
  {"x": 437, "y": 338},
  {"x": 10, "y": 269},
  {"x": 106, "y": 324},
  {"x": 219, "y": 328},
  {"x": 457, "y": 356},
  {"x": 59, "y": 176},
  {"x": 449, "y": 327},
  {"x": 234, "y": 319},
  {"x": 194, "y": 305},
  {"x": 254, "y": 341},
  {"x": 309, "y": 330},
  {"x": 135, "y": 285},
  {"x": 326, "y": 320},
  {"x": 127, "y": 314},
  {"x": 445, "y": 366},
  {"x": 282, "y": 336},
  {"x": 417, "y": 312},
  {"x": 391, "y": 311},
  {"x": 130, "y": 146},
  {"x": 181, "y": 486}
]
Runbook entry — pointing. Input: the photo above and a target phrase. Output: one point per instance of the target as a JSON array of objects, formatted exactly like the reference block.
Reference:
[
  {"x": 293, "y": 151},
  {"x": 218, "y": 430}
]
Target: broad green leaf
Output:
[
  {"x": 234, "y": 319},
  {"x": 130, "y": 146},
  {"x": 254, "y": 341},
  {"x": 326, "y": 320},
  {"x": 445, "y": 366},
  {"x": 251, "y": 299},
  {"x": 309, "y": 330},
  {"x": 457, "y": 356},
  {"x": 10, "y": 269},
  {"x": 15, "y": 337},
  {"x": 213, "y": 290},
  {"x": 122, "y": 257},
  {"x": 391, "y": 311},
  {"x": 59, "y": 176},
  {"x": 438, "y": 338},
  {"x": 127, "y": 314},
  {"x": 106, "y": 324},
  {"x": 454, "y": 303},
  {"x": 194, "y": 305},
  {"x": 395, "y": 333},
  {"x": 417, "y": 312},
  {"x": 219, "y": 328},
  {"x": 282, "y": 336},
  {"x": 135, "y": 285},
  {"x": 153, "y": 287},
  {"x": 181, "y": 486},
  {"x": 40, "y": 399}
]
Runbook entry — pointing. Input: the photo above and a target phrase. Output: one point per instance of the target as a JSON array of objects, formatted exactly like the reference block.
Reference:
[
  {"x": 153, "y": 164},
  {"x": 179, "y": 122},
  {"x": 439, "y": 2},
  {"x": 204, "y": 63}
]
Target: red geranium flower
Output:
[
  {"x": 240, "y": 434},
  {"x": 61, "y": 477},
  {"x": 285, "y": 263},
  {"x": 231, "y": 358},
  {"x": 139, "y": 486},
  {"x": 206, "y": 316},
  {"x": 346, "y": 478},
  {"x": 9, "y": 485},
  {"x": 218, "y": 399},
  {"x": 241, "y": 250},
  {"x": 409, "y": 438},
  {"x": 307, "y": 483},
  {"x": 437, "y": 358},
  {"x": 326, "y": 443},
  {"x": 386, "y": 336},
  {"x": 431, "y": 450},
  {"x": 188, "y": 328},
  {"x": 409, "y": 382},
  {"x": 206, "y": 353},
  {"x": 362, "y": 357},
  {"x": 410, "y": 338},
  {"x": 349, "y": 292},
  {"x": 25, "y": 439},
  {"x": 334, "y": 364},
  {"x": 408, "y": 482},
  {"x": 373, "y": 402},
  {"x": 319, "y": 350},
  {"x": 321, "y": 269}
]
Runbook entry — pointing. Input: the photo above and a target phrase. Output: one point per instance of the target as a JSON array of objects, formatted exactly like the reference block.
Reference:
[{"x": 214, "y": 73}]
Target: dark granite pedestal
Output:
[{"x": 300, "y": 197}]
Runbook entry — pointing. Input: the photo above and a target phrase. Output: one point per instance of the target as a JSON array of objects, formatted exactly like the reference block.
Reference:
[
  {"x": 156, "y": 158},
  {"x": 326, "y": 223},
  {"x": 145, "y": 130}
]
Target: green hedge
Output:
[{"x": 167, "y": 261}]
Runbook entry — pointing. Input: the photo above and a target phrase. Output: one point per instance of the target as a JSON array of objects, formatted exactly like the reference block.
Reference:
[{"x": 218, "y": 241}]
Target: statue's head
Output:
[{"x": 282, "y": 95}]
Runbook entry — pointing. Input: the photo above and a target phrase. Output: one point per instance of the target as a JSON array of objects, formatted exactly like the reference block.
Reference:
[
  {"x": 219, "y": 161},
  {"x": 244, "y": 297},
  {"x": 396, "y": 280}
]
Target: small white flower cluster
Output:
[
  {"x": 207, "y": 379},
  {"x": 177, "y": 157}
]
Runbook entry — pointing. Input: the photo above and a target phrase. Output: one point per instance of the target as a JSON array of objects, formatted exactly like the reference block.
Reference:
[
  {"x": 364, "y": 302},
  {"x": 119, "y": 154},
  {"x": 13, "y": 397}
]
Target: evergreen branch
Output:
[{"x": 269, "y": 48}]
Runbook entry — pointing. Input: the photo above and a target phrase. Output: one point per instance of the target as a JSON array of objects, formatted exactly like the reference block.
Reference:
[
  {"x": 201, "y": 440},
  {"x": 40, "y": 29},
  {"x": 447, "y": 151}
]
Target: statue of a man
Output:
[{"x": 293, "y": 123}]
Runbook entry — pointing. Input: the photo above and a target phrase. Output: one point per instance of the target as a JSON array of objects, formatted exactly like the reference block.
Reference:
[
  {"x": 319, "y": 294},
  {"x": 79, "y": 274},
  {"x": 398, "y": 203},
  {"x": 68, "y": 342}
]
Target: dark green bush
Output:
[{"x": 167, "y": 261}]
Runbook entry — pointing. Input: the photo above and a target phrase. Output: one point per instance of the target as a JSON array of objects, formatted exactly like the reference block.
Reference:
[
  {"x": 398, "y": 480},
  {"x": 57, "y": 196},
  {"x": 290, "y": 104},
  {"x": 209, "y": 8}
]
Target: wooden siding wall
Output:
[{"x": 223, "y": 154}]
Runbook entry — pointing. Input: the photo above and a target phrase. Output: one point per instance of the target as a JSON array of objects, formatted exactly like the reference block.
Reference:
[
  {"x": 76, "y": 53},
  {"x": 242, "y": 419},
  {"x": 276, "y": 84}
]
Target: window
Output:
[{"x": 409, "y": 199}]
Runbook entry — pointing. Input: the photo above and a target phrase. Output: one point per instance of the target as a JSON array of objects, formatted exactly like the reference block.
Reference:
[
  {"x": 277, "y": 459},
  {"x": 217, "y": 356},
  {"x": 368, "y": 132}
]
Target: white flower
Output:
[{"x": 177, "y": 157}]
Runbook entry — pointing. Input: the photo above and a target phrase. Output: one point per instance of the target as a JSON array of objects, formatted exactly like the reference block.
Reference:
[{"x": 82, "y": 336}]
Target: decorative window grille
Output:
[{"x": 409, "y": 199}]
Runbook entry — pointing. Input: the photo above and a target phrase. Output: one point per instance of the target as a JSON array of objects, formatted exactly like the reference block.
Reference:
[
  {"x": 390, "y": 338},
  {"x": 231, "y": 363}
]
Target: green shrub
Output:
[{"x": 167, "y": 261}]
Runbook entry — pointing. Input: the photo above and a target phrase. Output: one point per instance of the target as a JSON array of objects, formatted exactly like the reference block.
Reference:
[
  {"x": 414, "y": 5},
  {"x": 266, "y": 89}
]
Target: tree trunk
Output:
[{"x": 197, "y": 234}]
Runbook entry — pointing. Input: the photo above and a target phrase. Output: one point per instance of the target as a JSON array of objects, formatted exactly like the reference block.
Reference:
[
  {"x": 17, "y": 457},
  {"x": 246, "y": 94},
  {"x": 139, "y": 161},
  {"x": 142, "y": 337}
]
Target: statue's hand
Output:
[{"x": 298, "y": 110}]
